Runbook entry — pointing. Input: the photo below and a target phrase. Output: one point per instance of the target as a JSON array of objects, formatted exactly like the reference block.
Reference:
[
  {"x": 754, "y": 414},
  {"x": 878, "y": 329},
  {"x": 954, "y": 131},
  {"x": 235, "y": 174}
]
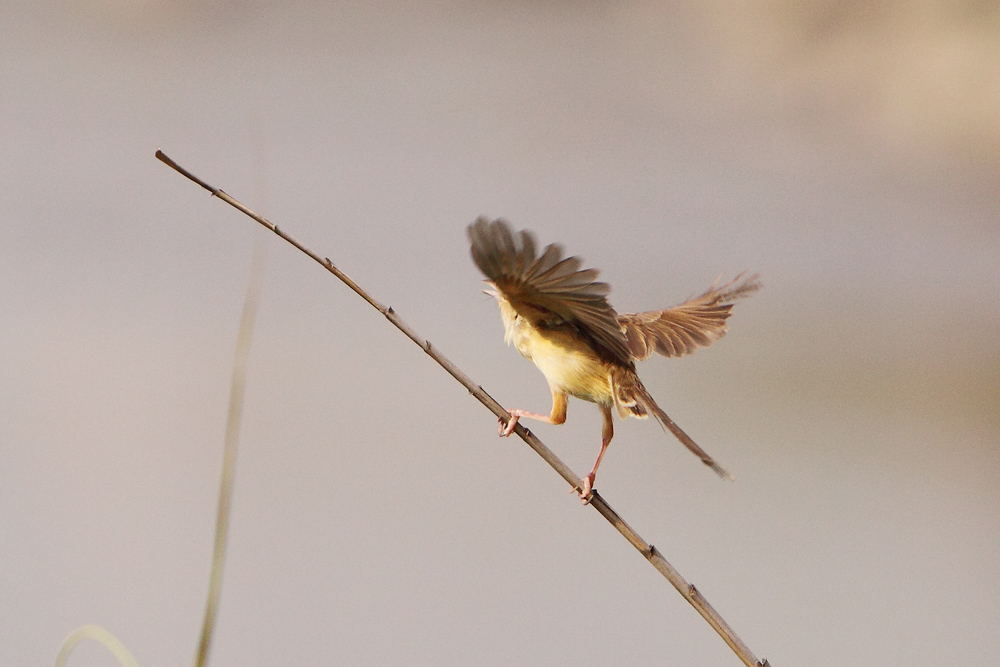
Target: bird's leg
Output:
[
  {"x": 607, "y": 432},
  {"x": 557, "y": 416}
]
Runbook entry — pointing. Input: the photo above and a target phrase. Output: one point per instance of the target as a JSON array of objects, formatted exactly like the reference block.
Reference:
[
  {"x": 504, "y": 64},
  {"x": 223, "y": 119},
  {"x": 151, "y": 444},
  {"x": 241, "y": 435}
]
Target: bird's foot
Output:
[
  {"x": 504, "y": 430},
  {"x": 587, "y": 492}
]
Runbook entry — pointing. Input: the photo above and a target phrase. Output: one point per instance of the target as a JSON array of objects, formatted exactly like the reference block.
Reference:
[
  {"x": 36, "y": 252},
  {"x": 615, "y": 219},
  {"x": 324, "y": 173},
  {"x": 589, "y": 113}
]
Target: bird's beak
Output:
[{"x": 492, "y": 291}]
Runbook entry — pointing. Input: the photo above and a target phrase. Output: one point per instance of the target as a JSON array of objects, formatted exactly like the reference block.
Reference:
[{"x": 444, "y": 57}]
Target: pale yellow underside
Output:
[{"x": 568, "y": 364}]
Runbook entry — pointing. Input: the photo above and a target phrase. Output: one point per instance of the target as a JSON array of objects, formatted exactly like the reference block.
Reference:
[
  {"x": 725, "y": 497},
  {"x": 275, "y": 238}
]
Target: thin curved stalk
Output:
[{"x": 99, "y": 634}]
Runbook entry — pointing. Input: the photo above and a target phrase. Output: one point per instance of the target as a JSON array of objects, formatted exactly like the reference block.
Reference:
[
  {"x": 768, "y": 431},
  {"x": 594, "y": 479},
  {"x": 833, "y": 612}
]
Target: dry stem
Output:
[{"x": 690, "y": 593}]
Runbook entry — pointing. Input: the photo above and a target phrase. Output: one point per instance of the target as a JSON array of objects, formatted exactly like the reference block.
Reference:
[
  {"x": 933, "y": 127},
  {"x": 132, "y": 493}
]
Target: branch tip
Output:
[{"x": 165, "y": 159}]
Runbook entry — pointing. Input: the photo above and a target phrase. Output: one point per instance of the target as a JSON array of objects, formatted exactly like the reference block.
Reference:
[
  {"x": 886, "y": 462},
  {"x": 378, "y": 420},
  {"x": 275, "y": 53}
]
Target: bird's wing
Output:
[
  {"x": 680, "y": 330},
  {"x": 547, "y": 290}
]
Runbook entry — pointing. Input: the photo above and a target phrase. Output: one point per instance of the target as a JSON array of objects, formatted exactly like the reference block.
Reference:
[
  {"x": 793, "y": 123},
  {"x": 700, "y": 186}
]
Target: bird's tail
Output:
[{"x": 643, "y": 398}]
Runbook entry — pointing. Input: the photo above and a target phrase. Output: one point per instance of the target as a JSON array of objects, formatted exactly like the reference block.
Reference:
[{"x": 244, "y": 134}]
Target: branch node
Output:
[{"x": 426, "y": 346}]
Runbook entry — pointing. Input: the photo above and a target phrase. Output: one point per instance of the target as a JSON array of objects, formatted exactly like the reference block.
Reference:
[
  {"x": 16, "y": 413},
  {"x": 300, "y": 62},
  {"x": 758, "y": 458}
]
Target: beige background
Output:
[{"x": 849, "y": 152}]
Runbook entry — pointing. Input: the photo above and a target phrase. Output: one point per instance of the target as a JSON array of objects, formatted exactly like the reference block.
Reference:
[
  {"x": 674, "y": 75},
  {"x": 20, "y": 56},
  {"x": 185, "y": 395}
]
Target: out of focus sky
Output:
[{"x": 848, "y": 151}]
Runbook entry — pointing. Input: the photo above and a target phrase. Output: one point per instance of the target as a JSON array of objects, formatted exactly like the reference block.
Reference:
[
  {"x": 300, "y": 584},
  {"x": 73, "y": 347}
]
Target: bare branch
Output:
[{"x": 690, "y": 593}]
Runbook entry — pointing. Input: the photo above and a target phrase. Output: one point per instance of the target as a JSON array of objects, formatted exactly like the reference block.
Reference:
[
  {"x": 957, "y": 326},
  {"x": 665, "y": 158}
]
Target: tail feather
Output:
[{"x": 643, "y": 398}]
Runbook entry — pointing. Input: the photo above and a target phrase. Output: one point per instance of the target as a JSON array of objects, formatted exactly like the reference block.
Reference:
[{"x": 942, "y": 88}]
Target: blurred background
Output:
[{"x": 848, "y": 151}]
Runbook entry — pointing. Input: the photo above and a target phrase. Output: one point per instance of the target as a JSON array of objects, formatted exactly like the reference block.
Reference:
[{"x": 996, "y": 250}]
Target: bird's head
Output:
[{"x": 507, "y": 312}]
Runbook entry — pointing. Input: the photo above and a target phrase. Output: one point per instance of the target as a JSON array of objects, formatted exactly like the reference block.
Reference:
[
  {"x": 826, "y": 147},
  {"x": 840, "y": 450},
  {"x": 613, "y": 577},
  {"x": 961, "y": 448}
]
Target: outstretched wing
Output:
[
  {"x": 682, "y": 329},
  {"x": 547, "y": 290}
]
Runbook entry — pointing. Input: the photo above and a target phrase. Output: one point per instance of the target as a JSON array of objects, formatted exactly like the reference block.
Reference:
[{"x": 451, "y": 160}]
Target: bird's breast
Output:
[{"x": 566, "y": 360}]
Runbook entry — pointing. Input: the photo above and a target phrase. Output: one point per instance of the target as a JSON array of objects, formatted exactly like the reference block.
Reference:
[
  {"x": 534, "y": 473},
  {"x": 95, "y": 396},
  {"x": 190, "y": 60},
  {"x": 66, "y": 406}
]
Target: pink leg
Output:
[
  {"x": 607, "y": 432},
  {"x": 515, "y": 415},
  {"x": 558, "y": 415}
]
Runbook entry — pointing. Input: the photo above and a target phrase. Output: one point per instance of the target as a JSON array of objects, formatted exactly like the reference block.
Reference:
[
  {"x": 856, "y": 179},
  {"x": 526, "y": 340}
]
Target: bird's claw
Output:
[
  {"x": 505, "y": 430},
  {"x": 587, "y": 492}
]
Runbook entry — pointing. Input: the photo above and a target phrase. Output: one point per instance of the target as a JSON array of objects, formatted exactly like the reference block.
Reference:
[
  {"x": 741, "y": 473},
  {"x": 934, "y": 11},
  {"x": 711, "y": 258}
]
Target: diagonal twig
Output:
[{"x": 688, "y": 591}]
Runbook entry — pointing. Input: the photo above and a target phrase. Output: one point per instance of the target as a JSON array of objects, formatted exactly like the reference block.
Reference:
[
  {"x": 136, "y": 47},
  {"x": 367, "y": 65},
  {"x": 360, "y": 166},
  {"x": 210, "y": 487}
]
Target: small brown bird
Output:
[{"x": 558, "y": 316}]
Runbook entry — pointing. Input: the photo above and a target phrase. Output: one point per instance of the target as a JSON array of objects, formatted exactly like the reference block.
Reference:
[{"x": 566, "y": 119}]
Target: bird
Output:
[{"x": 557, "y": 315}]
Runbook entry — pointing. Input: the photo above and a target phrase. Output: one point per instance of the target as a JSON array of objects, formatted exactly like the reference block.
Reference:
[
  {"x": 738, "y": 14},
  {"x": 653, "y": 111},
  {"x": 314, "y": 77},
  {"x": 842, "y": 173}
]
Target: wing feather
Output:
[
  {"x": 548, "y": 290},
  {"x": 681, "y": 330}
]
